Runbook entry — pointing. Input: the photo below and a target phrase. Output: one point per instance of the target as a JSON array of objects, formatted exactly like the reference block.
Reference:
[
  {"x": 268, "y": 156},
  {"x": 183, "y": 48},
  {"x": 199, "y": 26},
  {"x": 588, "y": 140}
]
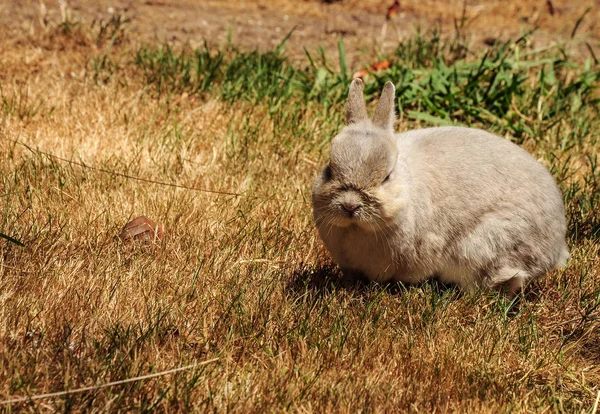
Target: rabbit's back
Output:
[
  {"x": 479, "y": 200},
  {"x": 469, "y": 169}
]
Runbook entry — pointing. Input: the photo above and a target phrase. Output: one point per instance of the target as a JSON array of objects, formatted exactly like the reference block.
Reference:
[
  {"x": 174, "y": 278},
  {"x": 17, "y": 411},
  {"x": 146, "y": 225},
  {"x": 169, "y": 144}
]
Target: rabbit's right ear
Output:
[
  {"x": 385, "y": 114},
  {"x": 356, "y": 109}
]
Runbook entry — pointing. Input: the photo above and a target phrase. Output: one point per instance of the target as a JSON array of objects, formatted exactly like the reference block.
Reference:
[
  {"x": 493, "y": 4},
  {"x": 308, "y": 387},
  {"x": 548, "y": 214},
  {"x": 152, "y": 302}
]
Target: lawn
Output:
[{"x": 221, "y": 146}]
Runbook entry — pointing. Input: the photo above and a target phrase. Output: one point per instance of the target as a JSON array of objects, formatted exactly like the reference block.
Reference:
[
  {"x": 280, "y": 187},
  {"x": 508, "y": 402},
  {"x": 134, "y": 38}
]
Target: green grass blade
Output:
[
  {"x": 12, "y": 240},
  {"x": 424, "y": 116}
]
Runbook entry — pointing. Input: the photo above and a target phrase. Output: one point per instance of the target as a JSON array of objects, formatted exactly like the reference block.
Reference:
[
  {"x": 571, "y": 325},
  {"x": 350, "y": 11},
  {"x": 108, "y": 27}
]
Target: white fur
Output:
[{"x": 463, "y": 204}]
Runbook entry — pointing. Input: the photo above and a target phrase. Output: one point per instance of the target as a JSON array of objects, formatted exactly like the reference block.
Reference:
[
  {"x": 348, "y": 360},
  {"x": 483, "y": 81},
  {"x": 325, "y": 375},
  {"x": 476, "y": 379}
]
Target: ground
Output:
[
  {"x": 113, "y": 110},
  {"x": 264, "y": 23}
]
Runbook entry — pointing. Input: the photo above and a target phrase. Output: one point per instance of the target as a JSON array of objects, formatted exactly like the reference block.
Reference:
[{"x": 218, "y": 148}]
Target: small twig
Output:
[
  {"x": 579, "y": 21},
  {"x": 521, "y": 114},
  {"x": 595, "y": 409},
  {"x": 108, "y": 384},
  {"x": 147, "y": 180},
  {"x": 383, "y": 33},
  {"x": 131, "y": 177},
  {"x": 14, "y": 268},
  {"x": 578, "y": 319}
]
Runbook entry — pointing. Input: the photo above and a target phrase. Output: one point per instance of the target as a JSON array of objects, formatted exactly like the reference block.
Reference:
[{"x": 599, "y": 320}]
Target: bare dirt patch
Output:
[{"x": 363, "y": 25}]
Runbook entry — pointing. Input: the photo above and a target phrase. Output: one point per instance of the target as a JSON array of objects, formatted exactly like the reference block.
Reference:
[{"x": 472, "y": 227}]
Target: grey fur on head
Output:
[{"x": 462, "y": 204}]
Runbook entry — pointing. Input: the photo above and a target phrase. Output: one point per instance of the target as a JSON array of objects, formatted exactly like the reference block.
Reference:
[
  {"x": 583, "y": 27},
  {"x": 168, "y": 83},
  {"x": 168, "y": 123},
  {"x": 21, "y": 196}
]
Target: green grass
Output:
[{"x": 245, "y": 279}]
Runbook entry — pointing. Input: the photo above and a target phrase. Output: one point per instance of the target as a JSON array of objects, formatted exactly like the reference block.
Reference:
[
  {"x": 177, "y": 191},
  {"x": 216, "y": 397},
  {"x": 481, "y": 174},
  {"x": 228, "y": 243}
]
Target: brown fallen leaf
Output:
[
  {"x": 142, "y": 229},
  {"x": 392, "y": 10},
  {"x": 384, "y": 64}
]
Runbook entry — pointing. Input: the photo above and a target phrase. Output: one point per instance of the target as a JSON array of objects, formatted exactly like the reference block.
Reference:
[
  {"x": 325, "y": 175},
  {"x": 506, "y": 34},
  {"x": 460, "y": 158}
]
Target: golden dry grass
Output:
[{"x": 242, "y": 279}]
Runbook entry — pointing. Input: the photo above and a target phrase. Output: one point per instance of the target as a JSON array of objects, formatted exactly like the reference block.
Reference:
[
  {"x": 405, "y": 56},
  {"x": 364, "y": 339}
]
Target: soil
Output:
[{"x": 363, "y": 25}]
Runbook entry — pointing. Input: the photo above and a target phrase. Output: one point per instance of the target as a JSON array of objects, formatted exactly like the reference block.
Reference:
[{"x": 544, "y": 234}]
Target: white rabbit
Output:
[{"x": 462, "y": 204}]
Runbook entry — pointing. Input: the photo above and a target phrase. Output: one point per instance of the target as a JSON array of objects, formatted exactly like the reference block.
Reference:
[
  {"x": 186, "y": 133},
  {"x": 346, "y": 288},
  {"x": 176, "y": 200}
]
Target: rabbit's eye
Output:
[
  {"x": 388, "y": 177},
  {"x": 328, "y": 173}
]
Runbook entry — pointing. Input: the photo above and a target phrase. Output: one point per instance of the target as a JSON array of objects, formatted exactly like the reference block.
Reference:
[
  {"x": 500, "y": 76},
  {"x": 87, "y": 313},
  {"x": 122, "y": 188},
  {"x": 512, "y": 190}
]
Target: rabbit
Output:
[{"x": 457, "y": 203}]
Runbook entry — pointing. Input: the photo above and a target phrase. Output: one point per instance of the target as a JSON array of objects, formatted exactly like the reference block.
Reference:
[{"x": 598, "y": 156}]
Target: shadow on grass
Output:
[{"x": 326, "y": 279}]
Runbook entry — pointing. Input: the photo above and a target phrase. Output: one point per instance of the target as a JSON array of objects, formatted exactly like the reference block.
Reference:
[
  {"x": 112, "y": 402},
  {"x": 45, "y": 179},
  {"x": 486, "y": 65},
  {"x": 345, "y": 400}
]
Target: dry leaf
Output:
[
  {"x": 392, "y": 10},
  {"x": 142, "y": 229},
  {"x": 384, "y": 64}
]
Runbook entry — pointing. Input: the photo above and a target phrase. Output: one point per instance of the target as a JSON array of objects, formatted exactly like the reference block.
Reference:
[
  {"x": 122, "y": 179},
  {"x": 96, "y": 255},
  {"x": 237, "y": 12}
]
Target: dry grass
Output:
[{"x": 245, "y": 279}]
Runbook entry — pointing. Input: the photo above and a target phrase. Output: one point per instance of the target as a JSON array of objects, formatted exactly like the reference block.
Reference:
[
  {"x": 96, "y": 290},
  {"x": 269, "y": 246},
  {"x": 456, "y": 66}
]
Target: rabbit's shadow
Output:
[{"x": 327, "y": 279}]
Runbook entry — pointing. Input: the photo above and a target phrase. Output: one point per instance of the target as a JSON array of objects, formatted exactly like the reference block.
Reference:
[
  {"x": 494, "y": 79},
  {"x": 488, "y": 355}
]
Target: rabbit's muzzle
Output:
[
  {"x": 350, "y": 208},
  {"x": 350, "y": 204}
]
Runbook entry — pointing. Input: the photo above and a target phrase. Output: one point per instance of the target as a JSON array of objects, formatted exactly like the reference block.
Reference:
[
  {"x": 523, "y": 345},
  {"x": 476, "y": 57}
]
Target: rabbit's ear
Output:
[
  {"x": 356, "y": 110},
  {"x": 385, "y": 113}
]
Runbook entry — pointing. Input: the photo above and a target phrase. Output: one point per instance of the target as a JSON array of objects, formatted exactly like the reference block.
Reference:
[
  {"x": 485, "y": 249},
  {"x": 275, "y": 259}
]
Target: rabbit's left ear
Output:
[
  {"x": 385, "y": 114},
  {"x": 356, "y": 110}
]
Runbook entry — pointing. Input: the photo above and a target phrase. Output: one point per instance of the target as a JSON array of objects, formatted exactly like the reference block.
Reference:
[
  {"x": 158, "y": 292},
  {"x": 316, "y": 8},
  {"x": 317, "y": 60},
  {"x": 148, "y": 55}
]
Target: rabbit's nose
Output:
[{"x": 350, "y": 207}]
